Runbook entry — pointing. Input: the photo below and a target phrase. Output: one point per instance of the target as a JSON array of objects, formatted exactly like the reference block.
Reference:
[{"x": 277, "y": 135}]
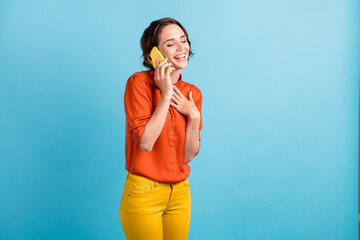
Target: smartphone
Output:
[{"x": 156, "y": 54}]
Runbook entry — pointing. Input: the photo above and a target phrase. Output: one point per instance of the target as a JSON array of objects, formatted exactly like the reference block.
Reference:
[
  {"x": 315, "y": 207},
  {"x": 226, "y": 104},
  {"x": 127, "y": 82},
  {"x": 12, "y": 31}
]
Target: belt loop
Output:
[
  {"x": 156, "y": 183},
  {"x": 127, "y": 176}
]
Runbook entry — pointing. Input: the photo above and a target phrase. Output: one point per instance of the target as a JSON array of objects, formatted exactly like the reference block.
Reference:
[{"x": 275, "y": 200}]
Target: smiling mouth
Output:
[{"x": 180, "y": 56}]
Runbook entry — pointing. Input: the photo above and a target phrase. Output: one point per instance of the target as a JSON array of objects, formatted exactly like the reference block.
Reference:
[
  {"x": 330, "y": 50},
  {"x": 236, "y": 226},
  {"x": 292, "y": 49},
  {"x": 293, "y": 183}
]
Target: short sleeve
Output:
[{"x": 137, "y": 103}]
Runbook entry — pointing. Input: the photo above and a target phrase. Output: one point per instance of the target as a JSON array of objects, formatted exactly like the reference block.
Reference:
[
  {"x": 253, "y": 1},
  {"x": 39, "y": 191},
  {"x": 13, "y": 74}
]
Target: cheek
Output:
[{"x": 167, "y": 52}]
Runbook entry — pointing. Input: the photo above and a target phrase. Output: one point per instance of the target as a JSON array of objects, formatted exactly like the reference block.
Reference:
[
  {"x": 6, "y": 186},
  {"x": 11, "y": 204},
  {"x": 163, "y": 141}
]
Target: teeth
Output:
[{"x": 182, "y": 56}]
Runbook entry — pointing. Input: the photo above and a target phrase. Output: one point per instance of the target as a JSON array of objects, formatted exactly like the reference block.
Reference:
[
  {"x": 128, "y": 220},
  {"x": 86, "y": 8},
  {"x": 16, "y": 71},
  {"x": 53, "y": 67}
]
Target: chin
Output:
[{"x": 182, "y": 66}]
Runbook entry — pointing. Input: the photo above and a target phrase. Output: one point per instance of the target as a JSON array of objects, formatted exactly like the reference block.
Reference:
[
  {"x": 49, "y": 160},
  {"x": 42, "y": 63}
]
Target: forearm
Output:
[
  {"x": 192, "y": 143},
  {"x": 155, "y": 124}
]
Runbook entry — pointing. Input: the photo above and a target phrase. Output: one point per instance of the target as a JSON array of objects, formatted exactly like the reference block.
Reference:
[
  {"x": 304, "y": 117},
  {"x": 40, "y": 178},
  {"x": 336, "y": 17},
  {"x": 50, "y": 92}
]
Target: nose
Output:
[{"x": 179, "y": 47}]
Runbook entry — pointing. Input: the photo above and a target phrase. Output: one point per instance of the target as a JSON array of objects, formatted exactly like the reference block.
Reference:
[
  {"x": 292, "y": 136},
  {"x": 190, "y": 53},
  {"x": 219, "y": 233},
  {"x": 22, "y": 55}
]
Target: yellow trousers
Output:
[{"x": 151, "y": 210}]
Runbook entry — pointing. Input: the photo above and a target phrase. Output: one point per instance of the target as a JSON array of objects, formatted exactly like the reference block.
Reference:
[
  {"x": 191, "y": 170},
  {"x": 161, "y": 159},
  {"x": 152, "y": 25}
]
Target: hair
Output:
[{"x": 150, "y": 38}]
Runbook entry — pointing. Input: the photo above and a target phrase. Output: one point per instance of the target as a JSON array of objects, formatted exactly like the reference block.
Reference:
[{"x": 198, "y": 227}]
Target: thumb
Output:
[{"x": 191, "y": 96}]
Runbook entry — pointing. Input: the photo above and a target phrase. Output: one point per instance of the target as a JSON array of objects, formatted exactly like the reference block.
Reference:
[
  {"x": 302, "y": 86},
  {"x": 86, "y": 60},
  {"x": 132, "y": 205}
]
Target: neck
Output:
[{"x": 175, "y": 76}]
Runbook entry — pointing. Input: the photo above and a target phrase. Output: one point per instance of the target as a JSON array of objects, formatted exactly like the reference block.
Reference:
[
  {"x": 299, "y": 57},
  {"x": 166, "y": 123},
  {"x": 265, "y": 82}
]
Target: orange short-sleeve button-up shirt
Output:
[{"x": 164, "y": 163}]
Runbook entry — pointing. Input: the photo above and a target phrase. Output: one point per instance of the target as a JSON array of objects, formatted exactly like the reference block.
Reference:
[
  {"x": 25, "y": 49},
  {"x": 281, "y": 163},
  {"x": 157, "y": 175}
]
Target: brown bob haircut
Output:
[{"x": 150, "y": 38}]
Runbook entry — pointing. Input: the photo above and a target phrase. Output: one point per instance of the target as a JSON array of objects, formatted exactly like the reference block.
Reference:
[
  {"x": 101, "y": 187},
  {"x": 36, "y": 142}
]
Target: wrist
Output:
[
  {"x": 166, "y": 95},
  {"x": 195, "y": 115}
]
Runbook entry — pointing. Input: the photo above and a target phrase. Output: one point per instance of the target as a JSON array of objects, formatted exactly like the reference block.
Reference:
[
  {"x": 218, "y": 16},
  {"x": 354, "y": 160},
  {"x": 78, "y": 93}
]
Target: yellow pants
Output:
[{"x": 151, "y": 210}]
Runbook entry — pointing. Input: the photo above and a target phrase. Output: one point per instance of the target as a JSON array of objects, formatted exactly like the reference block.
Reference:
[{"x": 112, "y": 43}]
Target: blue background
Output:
[{"x": 280, "y": 83}]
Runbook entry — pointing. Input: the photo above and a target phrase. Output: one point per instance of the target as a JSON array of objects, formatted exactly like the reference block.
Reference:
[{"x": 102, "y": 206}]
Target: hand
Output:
[
  {"x": 183, "y": 105},
  {"x": 162, "y": 76}
]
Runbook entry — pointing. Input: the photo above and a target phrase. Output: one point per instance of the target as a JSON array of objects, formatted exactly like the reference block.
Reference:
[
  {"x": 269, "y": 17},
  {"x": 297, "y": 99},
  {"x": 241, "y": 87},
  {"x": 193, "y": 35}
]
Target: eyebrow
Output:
[{"x": 174, "y": 38}]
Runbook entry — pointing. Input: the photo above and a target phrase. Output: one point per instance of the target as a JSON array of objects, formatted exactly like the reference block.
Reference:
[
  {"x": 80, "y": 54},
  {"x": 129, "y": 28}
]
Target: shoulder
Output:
[{"x": 142, "y": 77}]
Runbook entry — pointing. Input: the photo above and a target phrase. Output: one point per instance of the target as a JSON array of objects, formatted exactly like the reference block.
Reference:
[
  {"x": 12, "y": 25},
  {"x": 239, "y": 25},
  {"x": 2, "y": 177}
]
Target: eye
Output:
[{"x": 170, "y": 45}]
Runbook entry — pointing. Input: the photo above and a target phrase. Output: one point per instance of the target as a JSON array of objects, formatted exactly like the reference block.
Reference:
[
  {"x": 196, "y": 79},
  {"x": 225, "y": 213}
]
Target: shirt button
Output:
[
  {"x": 171, "y": 133},
  {"x": 172, "y": 151},
  {"x": 174, "y": 169}
]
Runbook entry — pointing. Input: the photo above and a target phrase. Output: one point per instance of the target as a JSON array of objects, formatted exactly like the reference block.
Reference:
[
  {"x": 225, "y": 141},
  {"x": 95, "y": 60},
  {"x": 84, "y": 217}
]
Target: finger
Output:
[
  {"x": 163, "y": 61},
  {"x": 178, "y": 92},
  {"x": 191, "y": 96},
  {"x": 163, "y": 68},
  {"x": 165, "y": 65},
  {"x": 168, "y": 70},
  {"x": 171, "y": 69},
  {"x": 174, "y": 105},
  {"x": 157, "y": 67},
  {"x": 175, "y": 99},
  {"x": 176, "y": 95}
]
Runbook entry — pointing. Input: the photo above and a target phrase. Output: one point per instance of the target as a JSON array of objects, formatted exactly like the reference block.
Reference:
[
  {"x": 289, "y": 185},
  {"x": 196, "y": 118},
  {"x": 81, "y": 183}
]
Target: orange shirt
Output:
[{"x": 164, "y": 163}]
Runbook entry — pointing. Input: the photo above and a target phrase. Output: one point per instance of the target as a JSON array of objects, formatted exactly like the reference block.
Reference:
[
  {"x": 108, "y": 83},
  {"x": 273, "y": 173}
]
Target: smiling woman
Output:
[
  {"x": 167, "y": 31},
  {"x": 163, "y": 123}
]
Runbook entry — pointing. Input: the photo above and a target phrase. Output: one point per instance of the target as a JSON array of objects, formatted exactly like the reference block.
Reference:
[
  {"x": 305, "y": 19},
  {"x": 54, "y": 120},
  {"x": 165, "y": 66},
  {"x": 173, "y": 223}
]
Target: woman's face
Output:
[{"x": 174, "y": 45}]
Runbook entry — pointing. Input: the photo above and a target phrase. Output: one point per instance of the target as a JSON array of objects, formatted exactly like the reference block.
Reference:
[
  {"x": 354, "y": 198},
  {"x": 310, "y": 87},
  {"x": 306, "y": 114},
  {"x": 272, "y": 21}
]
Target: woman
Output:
[{"x": 163, "y": 122}]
